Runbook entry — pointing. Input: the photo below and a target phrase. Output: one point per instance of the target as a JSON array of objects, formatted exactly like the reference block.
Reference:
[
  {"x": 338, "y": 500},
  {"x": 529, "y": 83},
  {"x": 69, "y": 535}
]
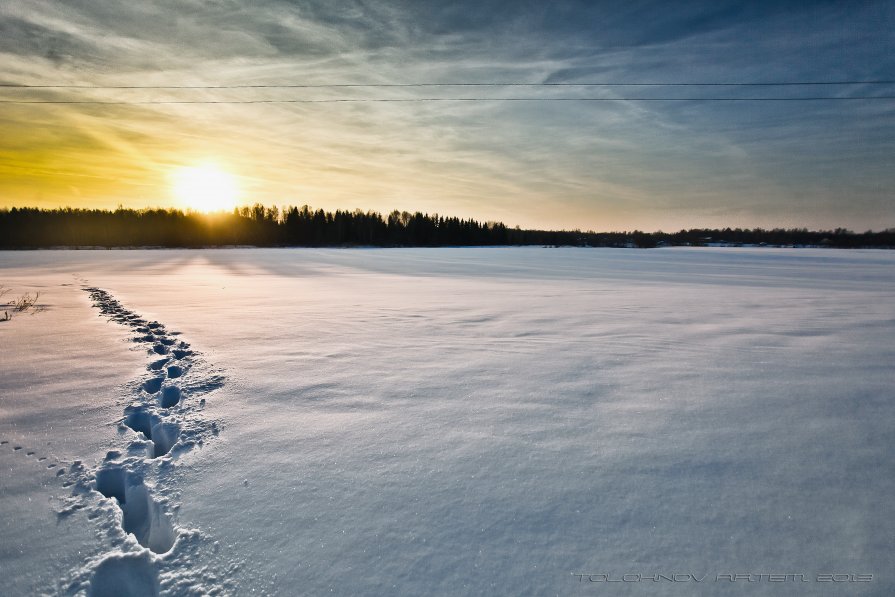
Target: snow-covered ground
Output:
[{"x": 500, "y": 421}]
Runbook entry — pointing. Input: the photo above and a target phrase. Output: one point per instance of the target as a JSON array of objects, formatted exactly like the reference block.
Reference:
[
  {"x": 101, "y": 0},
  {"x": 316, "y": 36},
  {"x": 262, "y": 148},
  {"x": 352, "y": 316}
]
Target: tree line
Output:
[{"x": 263, "y": 226}]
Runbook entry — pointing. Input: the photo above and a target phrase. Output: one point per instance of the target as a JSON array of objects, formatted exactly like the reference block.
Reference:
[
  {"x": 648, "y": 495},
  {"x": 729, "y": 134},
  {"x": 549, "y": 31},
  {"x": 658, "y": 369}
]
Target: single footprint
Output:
[
  {"x": 151, "y": 386},
  {"x": 140, "y": 420},
  {"x": 164, "y": 436},
  {"x": 143, "y": 516},
  {"x": 157, "y": 365},
  {"x": 170, "y": 396}
]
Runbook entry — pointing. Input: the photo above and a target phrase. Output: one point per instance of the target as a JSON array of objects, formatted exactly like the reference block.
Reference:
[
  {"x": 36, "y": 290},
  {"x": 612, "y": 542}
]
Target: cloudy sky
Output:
[{"x": 547, "y": 163}]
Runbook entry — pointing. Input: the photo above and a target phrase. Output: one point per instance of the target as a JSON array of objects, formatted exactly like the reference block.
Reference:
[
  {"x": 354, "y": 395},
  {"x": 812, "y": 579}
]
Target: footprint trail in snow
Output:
[{"x": 133, "y": 494}]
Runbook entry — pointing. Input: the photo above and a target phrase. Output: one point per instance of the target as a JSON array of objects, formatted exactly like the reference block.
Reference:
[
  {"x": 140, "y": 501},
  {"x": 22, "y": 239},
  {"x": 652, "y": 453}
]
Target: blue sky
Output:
[{"x": 559, "y": 164}]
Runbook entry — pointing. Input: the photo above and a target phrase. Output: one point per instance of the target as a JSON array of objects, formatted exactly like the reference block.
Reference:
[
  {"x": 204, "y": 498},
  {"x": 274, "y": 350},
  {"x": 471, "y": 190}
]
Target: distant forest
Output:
[{"x": 22, "y": 228}]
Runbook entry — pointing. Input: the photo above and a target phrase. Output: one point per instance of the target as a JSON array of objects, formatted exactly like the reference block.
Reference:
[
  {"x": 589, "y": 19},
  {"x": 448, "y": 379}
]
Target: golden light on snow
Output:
[{"x": 205, "y": 187}]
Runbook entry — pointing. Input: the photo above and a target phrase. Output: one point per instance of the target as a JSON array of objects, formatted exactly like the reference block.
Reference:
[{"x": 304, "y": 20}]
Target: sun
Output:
[{"x": 205, "y": 187}]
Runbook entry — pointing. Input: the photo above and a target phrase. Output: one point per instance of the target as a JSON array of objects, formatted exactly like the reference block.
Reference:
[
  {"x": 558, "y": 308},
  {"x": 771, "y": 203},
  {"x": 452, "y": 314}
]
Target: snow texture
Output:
[{"x": 448, "y": 421}]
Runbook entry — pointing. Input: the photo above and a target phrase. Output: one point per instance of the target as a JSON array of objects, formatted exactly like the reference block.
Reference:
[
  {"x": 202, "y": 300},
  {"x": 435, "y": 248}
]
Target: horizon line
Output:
[{"x": 384, "y": 216}]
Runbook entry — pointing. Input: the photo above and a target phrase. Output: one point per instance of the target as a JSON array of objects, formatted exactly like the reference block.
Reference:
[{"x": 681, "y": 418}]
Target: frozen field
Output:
[{"x": 492, "y": 421}]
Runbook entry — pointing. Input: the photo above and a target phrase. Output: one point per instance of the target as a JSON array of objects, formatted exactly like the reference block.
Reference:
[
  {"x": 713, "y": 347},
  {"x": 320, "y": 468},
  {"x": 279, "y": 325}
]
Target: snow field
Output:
[{"x": 477, "y": 421}]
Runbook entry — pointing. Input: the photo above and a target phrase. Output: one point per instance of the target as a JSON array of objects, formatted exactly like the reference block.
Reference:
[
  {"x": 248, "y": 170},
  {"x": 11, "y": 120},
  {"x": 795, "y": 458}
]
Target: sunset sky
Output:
[{"x": 602, "y": 165}]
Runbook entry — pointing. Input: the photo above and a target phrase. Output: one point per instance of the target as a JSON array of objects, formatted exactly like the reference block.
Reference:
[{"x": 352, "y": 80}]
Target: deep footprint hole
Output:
[
  {"x": 164, "y": 436},
  {"x": 146, "y": 519},
  {"x": 175, "y": 371},
  {"x": 110, "y": 482},
  {"x": 153, "y": 385},
  {"x": 170, "y": 396},
  {"x": 142, "y": 517},
  {"x": 140, "y": 420}
]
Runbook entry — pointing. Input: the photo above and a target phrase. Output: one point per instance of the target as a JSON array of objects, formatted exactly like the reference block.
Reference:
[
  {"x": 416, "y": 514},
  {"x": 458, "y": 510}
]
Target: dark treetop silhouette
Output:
[{"x": 302, "y": 226}]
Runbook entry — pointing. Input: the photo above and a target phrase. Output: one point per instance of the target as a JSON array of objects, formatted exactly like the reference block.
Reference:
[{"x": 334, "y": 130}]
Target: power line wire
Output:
[
  {"x": 393, "y": 85},
  {"x": 460, "y": 99}
]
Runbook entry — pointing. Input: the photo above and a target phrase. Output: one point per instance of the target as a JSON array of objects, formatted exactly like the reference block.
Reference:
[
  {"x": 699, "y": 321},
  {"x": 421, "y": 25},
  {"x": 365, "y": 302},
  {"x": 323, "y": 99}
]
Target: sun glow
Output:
[{"x": 205, "y": 188}]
